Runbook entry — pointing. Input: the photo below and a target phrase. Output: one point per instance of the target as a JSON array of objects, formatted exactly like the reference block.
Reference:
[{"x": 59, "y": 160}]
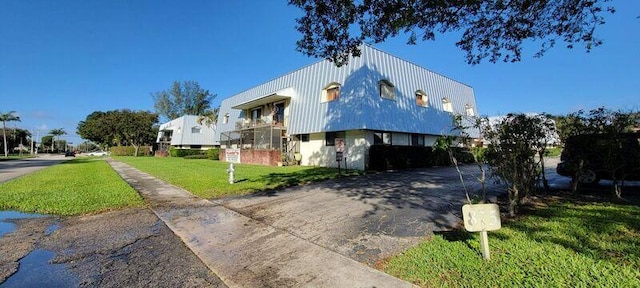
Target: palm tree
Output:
[
  {"x": 56, "y": 132},
  {"x": 209, "y": 117},
  {"x": 7, "y": 117}
]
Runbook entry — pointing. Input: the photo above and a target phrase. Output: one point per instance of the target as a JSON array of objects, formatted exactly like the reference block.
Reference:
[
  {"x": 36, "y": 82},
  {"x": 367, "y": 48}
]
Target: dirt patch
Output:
[{"x": 127, "y": 248}]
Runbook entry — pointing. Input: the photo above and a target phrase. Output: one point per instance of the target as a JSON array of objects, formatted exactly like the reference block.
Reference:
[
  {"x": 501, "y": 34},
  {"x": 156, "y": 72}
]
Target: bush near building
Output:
[
  {"x": 130, "y": 151},
  {"x": 386, "y": 157}
]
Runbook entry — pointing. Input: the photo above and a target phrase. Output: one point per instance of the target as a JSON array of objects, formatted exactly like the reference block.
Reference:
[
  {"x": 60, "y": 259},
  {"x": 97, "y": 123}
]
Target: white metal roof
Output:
[{"x": 359, "y": 105}]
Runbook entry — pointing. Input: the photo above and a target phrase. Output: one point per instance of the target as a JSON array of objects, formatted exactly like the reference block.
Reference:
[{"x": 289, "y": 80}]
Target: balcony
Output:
[{"x": 269, "y": 121}]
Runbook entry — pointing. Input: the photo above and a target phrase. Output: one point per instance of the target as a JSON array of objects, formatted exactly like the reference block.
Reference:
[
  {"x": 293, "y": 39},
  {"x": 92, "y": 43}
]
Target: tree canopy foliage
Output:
[
  {"x": 493, "y": 29},
  {"x": 514, "y": 142},
  {"x": 119, "y": 127},
  {"x": 183, "y": 98}
]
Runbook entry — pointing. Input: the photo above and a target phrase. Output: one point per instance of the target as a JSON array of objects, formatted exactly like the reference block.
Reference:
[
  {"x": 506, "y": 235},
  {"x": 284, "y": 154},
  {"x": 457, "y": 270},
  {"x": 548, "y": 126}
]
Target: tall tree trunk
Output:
[
  {"x": 135, "y": 150},
  {"x": 575, "y": 176},
  {"x": 513, "y": 200},
  {"x": 483, "y": 180},
  {"x": 4, "y": 136},
  {"x": 616, "y": 193}
]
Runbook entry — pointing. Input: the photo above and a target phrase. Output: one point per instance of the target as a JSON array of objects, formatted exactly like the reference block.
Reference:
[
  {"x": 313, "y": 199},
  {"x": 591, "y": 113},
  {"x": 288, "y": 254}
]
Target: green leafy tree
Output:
[
  {"x": 183, "y": 98},
  {"x": 46, "y": 141},
  {"x": 57, "y": 133},
  {"x": 120, "y": 127},
  {"x": 494, "y": 29},
  {"x": 136, "y": 128},
  {"x": 210, "y": 117},
  {"x": 7, "y": 117},
  {"x": 514, "y": 142},
  {"x": 609, "y": 124}
]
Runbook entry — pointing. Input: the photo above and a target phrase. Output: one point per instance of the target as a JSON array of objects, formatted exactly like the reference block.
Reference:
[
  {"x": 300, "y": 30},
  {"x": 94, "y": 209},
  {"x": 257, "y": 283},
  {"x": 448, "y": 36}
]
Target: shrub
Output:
[
  {"x": 385, "y": 157},
  {"x": 175, "y": 152},
  {"x": 213, "y": 153},
  {"x": 130, "y": 151}
]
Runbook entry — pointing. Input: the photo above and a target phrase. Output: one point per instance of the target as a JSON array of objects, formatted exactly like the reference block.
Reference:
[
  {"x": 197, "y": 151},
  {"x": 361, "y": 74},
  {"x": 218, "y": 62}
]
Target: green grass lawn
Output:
[
  {"x": 563, "y": 245},
  {"x": 209, "y": 179},
  {"x": 78, "y": 186}
]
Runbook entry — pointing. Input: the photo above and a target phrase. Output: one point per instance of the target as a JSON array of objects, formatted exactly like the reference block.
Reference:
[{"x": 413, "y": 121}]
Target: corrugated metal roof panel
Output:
[
  {"x": 187, "y": 131},
  {"x": 359, "y": 105}
]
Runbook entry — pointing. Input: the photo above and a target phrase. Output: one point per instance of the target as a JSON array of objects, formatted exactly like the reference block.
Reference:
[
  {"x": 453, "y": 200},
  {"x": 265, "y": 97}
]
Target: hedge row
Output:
[
  {"x": 213, "y": 154},
  {"x": 385, "y": 157},
  {"x": 130, "y": 151}
]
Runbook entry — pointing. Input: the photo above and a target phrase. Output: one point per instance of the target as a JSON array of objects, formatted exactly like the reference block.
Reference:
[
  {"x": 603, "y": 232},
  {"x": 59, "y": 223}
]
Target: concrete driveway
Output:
[{"x": 369, "y": 217}]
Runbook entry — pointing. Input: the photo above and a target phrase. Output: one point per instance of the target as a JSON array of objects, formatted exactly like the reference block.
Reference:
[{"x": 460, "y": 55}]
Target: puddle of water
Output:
[
  {"x": 35, "y": 271},
  {"x": 6, "y": 227}
]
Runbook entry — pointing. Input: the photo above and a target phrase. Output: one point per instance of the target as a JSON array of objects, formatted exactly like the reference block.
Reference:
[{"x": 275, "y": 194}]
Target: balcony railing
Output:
[{"x": 277, "y": 121}]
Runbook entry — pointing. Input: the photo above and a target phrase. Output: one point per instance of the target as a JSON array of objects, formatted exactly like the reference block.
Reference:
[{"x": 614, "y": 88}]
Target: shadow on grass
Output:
[{"x": 599, "y": 230}]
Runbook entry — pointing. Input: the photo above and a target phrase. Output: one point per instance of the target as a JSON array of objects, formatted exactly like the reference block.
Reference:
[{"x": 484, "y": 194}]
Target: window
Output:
[
  {"x": 422, "y": 99},
  {"x": 225, "y": 119},
  {"x": 447, "y": 105},
  {"x": 387, "y": 90},
  {"x": 304, "y": 137},
  {"x": 331, "y": 92},
  {"x": 330, "y": 137},
  {"x": 195, "y": 129},
  {"x": 382, "y": 138},
  {"x": 469, "y": 110},
  {"x": 417, "y": 140}
]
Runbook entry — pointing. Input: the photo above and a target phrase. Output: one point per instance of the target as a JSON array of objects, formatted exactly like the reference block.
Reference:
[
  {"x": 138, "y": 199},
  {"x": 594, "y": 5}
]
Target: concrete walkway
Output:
[{"x": 245, "y": 252}]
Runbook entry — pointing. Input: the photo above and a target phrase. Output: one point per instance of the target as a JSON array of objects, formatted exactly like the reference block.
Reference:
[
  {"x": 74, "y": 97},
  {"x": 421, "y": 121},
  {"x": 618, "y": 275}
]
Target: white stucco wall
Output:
[{"x": 315, "y": 153}]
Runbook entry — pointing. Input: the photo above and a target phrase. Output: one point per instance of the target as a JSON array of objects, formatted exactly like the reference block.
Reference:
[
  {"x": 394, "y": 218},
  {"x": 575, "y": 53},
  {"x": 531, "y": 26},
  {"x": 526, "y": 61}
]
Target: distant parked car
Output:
[
  {"x": 69, "y": 154},
  {"x": 98, "y": 153},
  {"x": 600, "y": 156}
]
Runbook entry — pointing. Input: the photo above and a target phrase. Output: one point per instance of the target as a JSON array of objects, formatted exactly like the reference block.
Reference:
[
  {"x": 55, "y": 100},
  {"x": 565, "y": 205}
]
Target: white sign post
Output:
[{"x": 482, "y": 218}]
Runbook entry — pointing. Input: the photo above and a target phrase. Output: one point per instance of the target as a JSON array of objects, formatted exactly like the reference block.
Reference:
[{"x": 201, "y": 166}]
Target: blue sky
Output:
[{"x": 62, "y": 60}]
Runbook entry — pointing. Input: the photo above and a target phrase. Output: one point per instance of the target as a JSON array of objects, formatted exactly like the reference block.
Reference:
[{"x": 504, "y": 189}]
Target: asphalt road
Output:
[{"x": 16, "y": 168}]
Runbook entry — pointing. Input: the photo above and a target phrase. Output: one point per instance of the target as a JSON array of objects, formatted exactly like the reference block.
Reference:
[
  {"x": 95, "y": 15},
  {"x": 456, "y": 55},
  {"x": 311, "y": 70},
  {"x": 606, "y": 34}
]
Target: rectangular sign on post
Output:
[
  {"x": 481, "y": 217},
  {"x": 232, "y": 155}
]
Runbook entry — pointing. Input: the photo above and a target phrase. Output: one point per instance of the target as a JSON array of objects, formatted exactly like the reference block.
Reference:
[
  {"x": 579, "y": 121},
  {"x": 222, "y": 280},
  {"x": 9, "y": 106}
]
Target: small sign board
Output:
[
  {"x": 481, "y": 217},
  {"x": 339, "y": 156},
  {"x": 232, "y": 155}
]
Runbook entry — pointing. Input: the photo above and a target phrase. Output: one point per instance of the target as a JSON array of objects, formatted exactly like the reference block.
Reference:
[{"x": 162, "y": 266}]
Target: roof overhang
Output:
[{"x": 269, "y": 98}]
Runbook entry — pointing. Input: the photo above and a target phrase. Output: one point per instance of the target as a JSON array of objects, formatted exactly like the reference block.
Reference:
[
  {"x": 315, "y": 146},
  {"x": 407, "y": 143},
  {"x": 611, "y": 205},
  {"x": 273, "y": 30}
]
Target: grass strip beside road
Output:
[
  {"x": 78, "y": 186},
  {"x": 209, "y": 179},
  {"x": 563, "y": 245}
]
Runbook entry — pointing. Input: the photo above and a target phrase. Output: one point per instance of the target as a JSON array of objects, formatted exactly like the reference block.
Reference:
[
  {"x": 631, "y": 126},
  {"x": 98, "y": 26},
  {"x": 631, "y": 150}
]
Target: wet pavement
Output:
[
  {"x": 7, "y": 226},
  {"x": 37, "y": 271}
]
